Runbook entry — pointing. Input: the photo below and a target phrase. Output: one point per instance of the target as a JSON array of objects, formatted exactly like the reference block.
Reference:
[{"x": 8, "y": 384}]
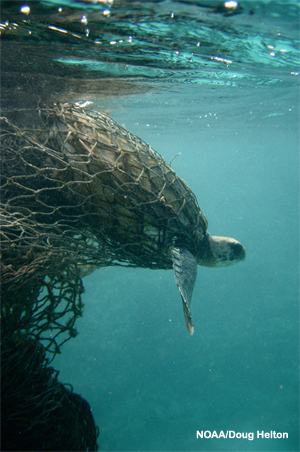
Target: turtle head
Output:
[{"x": 220, "y": 252}]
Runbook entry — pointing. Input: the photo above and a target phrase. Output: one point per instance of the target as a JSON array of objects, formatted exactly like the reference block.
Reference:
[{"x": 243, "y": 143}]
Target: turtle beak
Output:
[{"x": 238, "y": 252}]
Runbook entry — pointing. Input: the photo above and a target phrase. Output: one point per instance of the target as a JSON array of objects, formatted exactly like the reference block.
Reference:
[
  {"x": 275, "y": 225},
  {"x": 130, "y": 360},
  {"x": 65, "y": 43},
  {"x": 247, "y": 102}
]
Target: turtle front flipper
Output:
[{"x": 185, "y": 271}]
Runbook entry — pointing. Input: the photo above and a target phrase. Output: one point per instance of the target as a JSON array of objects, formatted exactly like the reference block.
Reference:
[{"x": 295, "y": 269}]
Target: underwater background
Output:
[{"x": 219, "y": 84}]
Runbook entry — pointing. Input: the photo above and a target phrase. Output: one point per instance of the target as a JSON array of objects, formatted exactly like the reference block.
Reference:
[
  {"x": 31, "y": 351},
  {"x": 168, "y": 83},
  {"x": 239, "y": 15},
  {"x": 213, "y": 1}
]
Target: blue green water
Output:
[
  {"x": 231, "y": 109},
  {"x": 150, "y": 384}
]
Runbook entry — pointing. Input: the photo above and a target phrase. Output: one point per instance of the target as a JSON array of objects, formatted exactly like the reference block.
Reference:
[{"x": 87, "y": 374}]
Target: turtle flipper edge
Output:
[{"x": 185, "y": 272}]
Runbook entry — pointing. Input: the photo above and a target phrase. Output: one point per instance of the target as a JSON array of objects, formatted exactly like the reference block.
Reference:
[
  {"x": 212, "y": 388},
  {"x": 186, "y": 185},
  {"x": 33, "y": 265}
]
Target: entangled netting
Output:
[
  {"x": 38, "y": 412},
  {"x": 79, "y": 192}
]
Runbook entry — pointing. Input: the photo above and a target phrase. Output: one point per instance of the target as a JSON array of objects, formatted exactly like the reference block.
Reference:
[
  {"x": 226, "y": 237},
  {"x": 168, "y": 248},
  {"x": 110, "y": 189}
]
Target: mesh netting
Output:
[
  {"x": 38, "y": 412},
  {"x": 80, "y": 192},
  {"x": 77, "y": 192}
]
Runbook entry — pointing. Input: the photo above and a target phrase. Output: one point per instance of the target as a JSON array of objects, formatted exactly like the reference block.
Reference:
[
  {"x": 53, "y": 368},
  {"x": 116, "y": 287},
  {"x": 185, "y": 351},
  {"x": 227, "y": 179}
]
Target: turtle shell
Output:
[{"x": 104, "y": 181}]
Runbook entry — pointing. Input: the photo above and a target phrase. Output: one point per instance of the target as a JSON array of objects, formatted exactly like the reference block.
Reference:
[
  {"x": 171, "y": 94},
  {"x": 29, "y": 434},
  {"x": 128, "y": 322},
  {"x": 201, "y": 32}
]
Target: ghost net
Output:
[{"x": 77, "y": 192}]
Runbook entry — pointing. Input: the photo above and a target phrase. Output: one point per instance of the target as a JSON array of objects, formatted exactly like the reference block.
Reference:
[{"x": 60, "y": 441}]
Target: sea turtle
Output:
[{"x": 96, "y": 175}]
